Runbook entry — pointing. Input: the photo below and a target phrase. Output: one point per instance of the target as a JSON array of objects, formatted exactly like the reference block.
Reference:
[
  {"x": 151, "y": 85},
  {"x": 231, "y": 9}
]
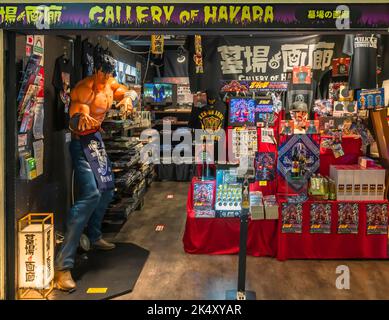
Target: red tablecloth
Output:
[
  {"x": 332, "y": 246},
  {"x": 221, "y": 235}
]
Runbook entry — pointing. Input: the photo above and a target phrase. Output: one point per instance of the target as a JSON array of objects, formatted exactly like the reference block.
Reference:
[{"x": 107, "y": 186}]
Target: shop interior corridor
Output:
[{"x": 170, "y": 273}]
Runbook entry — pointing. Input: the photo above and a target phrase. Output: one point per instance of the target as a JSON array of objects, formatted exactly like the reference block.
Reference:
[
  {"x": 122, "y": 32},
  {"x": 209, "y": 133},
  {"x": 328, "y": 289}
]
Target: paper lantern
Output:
[{"x": 35, "y": 254}]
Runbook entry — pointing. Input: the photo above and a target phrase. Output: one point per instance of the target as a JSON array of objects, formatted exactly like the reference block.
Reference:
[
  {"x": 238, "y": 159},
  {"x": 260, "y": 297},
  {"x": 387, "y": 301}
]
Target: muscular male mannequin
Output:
[{"x": 91, "y": 99}]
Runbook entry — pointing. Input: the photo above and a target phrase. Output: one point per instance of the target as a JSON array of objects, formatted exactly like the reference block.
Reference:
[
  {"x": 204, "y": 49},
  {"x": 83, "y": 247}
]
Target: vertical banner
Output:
[
  {"x": 198, "y": 55},
  {"x": 157, "y": 43}
]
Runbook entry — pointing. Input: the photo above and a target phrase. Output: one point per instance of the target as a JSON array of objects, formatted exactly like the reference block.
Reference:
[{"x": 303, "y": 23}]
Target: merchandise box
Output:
[
  {"x": 349, "y": 182},
  {"x": 376, "y": 182},
  {"x": 366, "y": 162},
  {"x": 357, "y": 188},
  {"x": 365, "y": 178},
  {"x": 256, "y": 206},
  {"x": 371, "y": 99},
  {"x": 338, "y": 175},
  {"x": 271, "y": 212},
  {"x": 380, "y": 185}
]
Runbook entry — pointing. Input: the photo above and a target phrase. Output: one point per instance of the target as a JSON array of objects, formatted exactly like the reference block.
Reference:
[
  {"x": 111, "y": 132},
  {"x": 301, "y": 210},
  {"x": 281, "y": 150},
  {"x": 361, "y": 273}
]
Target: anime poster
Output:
[
  {"x": 242, "y": 111},
  {"x": 348, "y": 218},
  {"x": 377, "y": 218},
  {"x": 203, "y": 199},
  {"x": 320, "y": 218},
  {"x": 228, "y": 194},
  {"x": 292, "y": 217},
  {"x": 265, "y": 166}
]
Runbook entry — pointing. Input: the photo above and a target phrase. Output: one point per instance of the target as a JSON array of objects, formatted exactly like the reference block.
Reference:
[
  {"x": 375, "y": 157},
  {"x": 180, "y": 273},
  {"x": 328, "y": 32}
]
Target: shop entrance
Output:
[{"x": 235, "y": 69}]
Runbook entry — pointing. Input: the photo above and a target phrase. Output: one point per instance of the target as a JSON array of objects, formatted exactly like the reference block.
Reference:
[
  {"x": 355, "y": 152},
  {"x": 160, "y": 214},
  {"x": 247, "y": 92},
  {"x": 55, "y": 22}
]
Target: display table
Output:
[
  {"x": 221, "y": 235},
  {"x": 307, "y": 245},
  {"x": 265, "y": 237}
]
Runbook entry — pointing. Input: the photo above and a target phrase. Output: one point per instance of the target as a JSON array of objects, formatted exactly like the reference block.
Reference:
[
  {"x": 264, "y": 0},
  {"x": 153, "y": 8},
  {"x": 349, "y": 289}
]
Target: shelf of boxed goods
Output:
[{"x": 130, "y": 183}]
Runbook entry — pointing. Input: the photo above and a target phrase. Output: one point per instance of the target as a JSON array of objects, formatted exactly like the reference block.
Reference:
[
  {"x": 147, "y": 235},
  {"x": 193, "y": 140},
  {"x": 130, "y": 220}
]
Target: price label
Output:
[{"x": 262, "y": 183}]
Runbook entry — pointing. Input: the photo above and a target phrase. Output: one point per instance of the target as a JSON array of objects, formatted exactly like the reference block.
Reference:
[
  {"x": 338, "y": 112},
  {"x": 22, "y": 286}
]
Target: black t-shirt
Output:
[
  {"x": 87, "y": 59},
  {"x": 363, "y": 67},
  {"x": 173, "y": 68},
  {"x": 209, "y": 118},
  {"x": 62, "y": 82}
]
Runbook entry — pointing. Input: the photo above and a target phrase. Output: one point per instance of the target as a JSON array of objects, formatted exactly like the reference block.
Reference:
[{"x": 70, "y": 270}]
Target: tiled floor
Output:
[{"x": 170, "y": 273}]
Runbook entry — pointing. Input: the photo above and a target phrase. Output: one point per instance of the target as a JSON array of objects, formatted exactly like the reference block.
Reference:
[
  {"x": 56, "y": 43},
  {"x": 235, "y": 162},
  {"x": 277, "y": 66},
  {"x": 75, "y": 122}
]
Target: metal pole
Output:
[{"x": 244, "y": 219}]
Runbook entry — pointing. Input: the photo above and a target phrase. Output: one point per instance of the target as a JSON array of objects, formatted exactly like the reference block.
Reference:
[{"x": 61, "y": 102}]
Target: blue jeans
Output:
[{"x": 88, "y": 211}]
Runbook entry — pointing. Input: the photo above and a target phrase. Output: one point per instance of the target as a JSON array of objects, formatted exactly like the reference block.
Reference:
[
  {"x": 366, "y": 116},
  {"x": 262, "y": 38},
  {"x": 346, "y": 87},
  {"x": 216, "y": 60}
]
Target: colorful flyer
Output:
[
  {"x": 292, "y": 217},
  {"x": 287, "y": 127},
  {"x": 203, "y": 199},
  {"x": 348, "y": 218},
  {"x": 265, "y": 166},
  {"x": 302, "y": 75},
  {"x": 377, "y": 218},
  {"x": 320, "y": 218}
]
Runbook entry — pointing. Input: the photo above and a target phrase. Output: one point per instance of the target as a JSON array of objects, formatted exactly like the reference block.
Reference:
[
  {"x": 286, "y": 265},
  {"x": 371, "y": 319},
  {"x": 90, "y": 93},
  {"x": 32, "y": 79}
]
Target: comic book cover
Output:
[
  {"x": 265, "y": 166},
  {"x": 292, "y": 217},
  {"x": 348, "y": 218},
  {"x": 377, "y": 218},
  {"x": 203, "y": 199},
  {"x": 320, "y": 218}
]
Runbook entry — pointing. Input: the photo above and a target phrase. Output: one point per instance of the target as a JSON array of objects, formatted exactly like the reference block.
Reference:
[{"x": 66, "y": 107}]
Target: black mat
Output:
[{"x": 117, "y": 270}]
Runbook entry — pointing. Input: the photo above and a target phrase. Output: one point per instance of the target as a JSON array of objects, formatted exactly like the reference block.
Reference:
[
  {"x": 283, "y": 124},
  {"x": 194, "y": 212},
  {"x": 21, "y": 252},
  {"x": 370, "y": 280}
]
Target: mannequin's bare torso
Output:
[{"x": 93, "y": 96}]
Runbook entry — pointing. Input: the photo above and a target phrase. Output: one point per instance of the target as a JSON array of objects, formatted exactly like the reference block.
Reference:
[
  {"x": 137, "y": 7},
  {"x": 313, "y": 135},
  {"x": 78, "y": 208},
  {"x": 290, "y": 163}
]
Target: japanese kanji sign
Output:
[
  {"x": 261, "y": 60},
  {"x": 183, "y": 15},
  {"x": 36, "y": 256}
]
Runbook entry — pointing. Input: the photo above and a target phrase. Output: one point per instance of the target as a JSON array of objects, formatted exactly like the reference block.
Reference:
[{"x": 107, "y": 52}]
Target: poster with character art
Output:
[
  {"x": 320, "y": 218},
  {"x": 292, "y": 217},
  {"x": 203, "y": 199},
  {"x": 348, "y": 218},
  {"x": 265, "y": 166},
  {"x": 377, "y": 218}
]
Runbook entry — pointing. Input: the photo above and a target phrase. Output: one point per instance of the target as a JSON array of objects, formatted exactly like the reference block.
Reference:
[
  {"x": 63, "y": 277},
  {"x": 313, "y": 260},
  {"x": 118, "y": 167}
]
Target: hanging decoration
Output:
[
  {"x": 157, "y": 44},
  {"x": 198, "y": 56}
]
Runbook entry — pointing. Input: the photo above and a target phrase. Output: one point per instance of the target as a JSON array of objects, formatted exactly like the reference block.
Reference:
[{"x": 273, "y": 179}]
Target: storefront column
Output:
[{"x": 2, "y": 170}]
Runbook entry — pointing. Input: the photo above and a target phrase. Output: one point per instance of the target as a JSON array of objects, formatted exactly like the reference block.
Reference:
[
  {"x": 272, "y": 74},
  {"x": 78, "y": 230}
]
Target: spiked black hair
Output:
[{"x": 103, "y": 60}]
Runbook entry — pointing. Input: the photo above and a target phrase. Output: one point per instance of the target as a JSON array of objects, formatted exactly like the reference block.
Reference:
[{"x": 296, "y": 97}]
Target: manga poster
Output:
[
  {"x": 203, "y": 199},
  {"x": 320, "y": 218},
  {"x": 377, "y": 218},
  {"x": 348, "y": 218},
  {"x": 265, "y": 166},
  {"x": 292, "y": 217}
]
